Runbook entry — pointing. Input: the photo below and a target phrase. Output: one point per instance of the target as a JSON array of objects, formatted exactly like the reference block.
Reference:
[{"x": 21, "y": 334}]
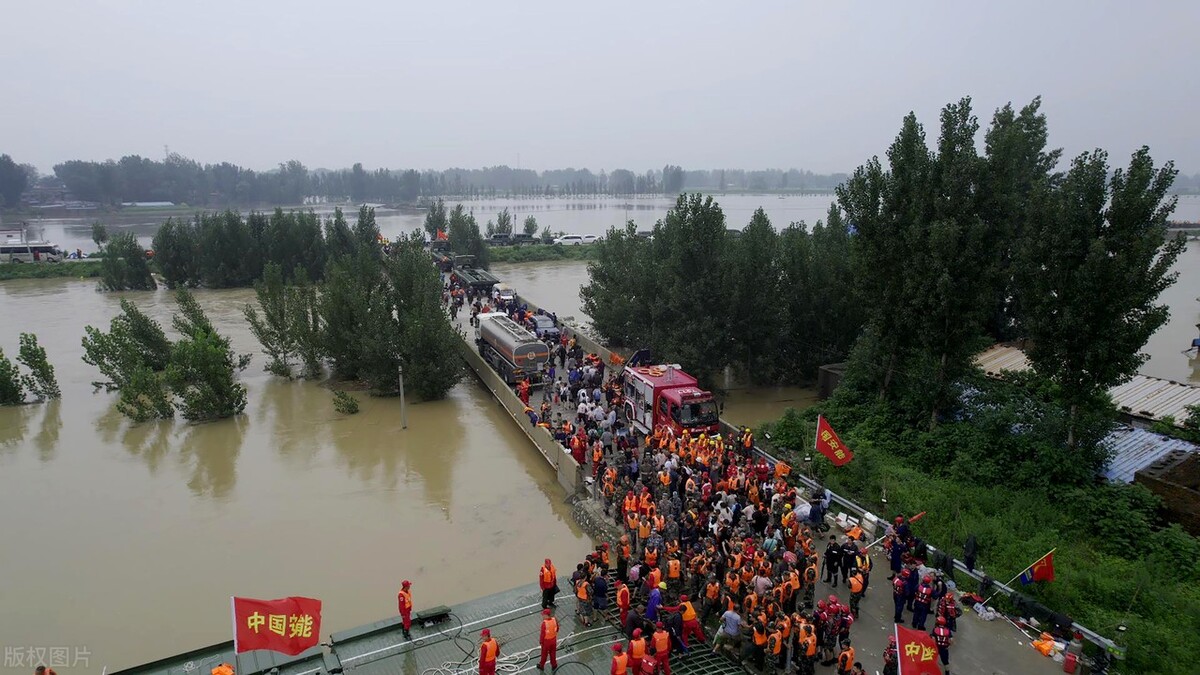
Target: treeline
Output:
[
  {"x": 774, "y": 303},
  {"x": 951, "y": 250},
  {"x": 185, "y": 181}
]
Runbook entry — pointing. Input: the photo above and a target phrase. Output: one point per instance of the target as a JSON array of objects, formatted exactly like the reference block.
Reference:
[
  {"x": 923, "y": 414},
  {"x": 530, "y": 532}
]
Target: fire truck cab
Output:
[{"x": 664, "y": 395}]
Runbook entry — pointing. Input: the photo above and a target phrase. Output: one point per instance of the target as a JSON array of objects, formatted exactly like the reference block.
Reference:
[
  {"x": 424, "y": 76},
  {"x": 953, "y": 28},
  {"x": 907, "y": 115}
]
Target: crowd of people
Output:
[{"x": 716, "y": 539}]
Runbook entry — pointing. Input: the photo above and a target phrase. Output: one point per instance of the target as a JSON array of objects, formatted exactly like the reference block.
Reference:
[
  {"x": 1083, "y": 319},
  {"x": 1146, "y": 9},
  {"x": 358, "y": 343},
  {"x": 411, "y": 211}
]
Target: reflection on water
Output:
[{"x": 290, "y": 498}]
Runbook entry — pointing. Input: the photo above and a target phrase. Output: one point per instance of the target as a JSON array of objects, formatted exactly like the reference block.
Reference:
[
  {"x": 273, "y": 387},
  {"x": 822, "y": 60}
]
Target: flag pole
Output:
[
  {"x": 899, "y": 661},
  {"x": 237, "y": 665},
  {"x": 1018, "y": 575}
]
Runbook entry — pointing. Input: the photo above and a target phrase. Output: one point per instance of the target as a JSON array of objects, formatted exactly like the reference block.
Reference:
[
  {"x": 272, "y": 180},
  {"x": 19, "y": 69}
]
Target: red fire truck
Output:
[{"x": 664, "y": 395}]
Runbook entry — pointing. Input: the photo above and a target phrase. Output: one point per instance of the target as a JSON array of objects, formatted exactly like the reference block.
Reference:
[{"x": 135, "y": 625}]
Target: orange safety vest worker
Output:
[
  {"x": 662, "y": 649},
  {"x": 620, "y": 662},
  {"x": 673, "y": 569},
  {"x": 223, "y": 669},
  {"x": 846, "y": 660},
  {"x": 488, "y": 650},
  {"x": 549, "y": 641}
]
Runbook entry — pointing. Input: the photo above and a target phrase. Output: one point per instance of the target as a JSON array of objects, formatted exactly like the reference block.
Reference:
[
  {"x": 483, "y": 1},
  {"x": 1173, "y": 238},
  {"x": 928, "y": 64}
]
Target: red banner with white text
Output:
[
  {"x": 916, "y": 652},
  {"x": 830, "y": 445}
]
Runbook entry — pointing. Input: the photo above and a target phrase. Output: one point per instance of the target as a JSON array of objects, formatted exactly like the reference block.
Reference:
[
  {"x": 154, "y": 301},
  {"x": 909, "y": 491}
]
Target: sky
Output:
[{"x": 440, "y": 84}]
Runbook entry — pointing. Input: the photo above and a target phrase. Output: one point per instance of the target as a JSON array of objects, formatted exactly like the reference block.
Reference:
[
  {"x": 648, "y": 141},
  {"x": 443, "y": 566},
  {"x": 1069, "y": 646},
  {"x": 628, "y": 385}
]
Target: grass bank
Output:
[
  {"x": 84, "y": 269},
  {"x": 541, "y": 253},
  {"x": 1116, "y": 563}
]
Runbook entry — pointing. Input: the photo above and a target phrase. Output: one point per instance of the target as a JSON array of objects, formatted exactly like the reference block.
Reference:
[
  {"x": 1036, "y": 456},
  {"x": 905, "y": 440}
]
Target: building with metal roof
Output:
[
  {"x": 1135, "y": 449},
  {"x": 1143, "y": 397}
]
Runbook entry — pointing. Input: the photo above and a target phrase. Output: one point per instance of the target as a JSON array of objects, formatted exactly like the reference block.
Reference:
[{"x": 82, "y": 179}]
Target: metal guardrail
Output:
[{"x": 845, "y": 503}]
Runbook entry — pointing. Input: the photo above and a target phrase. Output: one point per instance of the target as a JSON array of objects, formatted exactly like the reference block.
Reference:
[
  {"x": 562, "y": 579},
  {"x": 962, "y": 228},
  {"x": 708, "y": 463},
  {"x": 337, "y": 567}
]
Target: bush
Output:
[
  {"x": 344, "y": 403},
  {"x": 11, "y": 389},
  {"x": 124, "y": 266},
  {"x": 40, "y": 381}
]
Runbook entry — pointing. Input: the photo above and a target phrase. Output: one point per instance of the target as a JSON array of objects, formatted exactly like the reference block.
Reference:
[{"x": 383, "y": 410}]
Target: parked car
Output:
[
  {"x": 499, "y": 239},
  {"x": 590, "y": 239},
  {"x": 522, "y": 239},
  {"x": 543, "y": 327},
  {"x": 570, "y": 240}
]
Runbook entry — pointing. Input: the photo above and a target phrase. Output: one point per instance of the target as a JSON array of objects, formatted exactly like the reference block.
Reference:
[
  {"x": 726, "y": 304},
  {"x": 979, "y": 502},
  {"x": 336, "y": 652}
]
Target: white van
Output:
[{"x": 30, "y": 251}]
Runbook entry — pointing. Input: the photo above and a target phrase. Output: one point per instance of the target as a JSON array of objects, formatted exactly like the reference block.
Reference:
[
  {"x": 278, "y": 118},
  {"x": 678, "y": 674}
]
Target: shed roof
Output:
[
  {"x": 1146, "y": 397},
  {"x": 1135, "y": 449}
]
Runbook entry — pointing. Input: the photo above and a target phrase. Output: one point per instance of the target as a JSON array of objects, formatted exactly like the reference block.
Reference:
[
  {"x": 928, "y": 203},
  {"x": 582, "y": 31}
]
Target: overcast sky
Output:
[{"x": 609, "y": 84}]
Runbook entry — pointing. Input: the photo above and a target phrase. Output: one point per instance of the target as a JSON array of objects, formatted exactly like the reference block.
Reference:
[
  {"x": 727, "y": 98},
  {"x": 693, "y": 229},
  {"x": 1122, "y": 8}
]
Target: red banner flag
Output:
[
  {"x": 1042, "y": 570},
  {"x": 830, "y": 445},
  {"x": 286, "y": 625},
  {"x": 442, "y": 236},
  {"x": 916, "y": 652}
]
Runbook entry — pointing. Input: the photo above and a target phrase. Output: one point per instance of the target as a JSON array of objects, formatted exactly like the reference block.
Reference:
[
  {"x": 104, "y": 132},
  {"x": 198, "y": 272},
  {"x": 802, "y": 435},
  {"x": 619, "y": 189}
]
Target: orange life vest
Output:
[
  {"x": 548, "y": 574},
  {"x": 489, "y": 651},
  {"x": 662, "y": 642},
  {"x": 637, "y": 648},
  {"x": 620, "y": 663},
  {"x": 672, "y": 569},
  {"x": 689, "y": 612},
  {"x": 550, "y": 628},
  {"x": 623, "y": 597}
]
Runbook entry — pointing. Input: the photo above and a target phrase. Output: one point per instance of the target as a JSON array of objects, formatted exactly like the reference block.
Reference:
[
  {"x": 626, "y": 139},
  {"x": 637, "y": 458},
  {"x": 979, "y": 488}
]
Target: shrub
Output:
[{"x": 344, "y": 403}]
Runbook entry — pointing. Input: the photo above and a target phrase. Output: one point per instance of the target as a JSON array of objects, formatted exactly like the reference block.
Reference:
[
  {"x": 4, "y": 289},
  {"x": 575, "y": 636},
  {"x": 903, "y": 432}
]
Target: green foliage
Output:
[
  {"x": 542, "y": 253},
  {"x": 345, "y": 403},
  {"x": 273, "y": 327},
  {"x": 40, "y": 382},
  {"x": 465, "y": 237},
  {"x": 145, "y": 396},
  {"x": 504, "y": 223},
  {"x": 99, "y": 234},
  {"x": 435, "y": 219},
  {"x": 13, "y": 181},
  {"x": 753, "y": 321},
  {"x": 1096, "y": 259},
  {"x": 530, "y": 227},
  {"x": 547, "y": 236},
  {"x": 124, "y": 266},
  {"x": 134, "y": 341},
  {"x": 620, "y": 288},
  {"x": 11, "y": 388},
  {"x": 76, "y": 269},
  {"x": 1188, "y": 429},
  {"x": 427, "y": 340},
  {"x": 1115, "y": 562},
  {"x": 203, "y": 366},
  {"x": 304, "y": 325}
]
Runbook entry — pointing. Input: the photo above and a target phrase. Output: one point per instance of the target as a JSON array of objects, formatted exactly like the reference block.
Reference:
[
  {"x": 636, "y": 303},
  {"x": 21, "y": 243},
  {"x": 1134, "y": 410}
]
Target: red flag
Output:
[
  {"x": 916, "y": 652},
  {"x": 1042, "y": 570},
  {"x": 830, "y": 445},
  {"x": 442, "y": 236},
  {"x": 287, "y": 625}
]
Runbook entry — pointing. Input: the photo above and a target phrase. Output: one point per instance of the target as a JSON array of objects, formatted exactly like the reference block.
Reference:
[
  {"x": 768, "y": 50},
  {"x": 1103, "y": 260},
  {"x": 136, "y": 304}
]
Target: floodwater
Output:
[{"x": 127, "y": 541}]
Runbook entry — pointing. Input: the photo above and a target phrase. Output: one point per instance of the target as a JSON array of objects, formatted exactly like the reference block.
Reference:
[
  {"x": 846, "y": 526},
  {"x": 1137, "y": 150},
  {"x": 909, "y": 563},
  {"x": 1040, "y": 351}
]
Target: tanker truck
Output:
[{"x": 513, "y": 352}]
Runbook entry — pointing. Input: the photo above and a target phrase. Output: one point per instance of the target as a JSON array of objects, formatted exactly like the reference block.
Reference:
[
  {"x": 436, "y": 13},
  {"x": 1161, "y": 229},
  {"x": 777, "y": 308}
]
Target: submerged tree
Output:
[
  {"x": 12, "y": 390},
  {"x": 124, "y": 266},
  {"x": 272, "y": 327},
  {"x": 435, "y": 219},
  {"x": 40, "y": 381},
  {"x": 203, "y": 367}
]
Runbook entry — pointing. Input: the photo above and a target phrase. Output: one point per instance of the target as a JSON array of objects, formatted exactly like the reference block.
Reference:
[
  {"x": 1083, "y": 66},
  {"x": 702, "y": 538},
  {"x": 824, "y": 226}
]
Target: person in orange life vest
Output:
[
  {"x": 943, "y": 640},
  {"x": 691, "y": 620},
  {"x": 223, "y": 669},
  {"x": 637, "y": 650},
  {"x": 549, "y": 640},
  {"x": 404, "y": 600},
  {"x": 623, "y": 600},
  {"x": 548, "y": 582},
  {"x": 661, "y": 641},
  {"x": 620, "y": 662},
  {"x": 489, "y": 649}
]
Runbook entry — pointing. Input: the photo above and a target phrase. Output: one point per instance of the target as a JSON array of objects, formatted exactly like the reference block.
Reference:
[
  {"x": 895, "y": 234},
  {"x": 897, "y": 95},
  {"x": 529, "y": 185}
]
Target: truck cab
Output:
[{"x": 664, "y": 395}]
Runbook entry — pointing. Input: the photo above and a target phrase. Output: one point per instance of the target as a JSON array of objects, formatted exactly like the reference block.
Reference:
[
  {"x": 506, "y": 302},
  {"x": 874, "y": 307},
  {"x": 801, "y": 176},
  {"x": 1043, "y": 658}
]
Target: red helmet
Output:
[
  {"x": 637, "y": 632},
  {"x": 891, "y": 639},
  {"x": 926, "y": 578},
  {"x": 833, "y": 600},
  {"x": 941, "y": 621},
  {"x": 820, "y": 604},
  {"x": 683, "y": 598},
  {"x": 617, "y": 648},
  {"x": 405, "y": 584},
  {"x": 546, "y": 612}
]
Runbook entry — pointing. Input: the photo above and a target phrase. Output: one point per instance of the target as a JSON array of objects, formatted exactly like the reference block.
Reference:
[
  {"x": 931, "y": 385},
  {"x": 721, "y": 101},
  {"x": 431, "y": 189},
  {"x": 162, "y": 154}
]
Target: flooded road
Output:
[{"x": 127, "y": 541}]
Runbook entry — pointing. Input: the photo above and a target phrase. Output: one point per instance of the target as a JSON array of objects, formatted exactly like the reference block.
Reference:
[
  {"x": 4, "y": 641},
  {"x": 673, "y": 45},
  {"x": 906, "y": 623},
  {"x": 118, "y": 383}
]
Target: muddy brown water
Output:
[{"x": 126, "y": 541}]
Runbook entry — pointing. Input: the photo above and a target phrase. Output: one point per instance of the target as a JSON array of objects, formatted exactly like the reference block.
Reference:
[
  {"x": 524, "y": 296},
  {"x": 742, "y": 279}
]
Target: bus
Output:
[{"x": 29, "y": 251}]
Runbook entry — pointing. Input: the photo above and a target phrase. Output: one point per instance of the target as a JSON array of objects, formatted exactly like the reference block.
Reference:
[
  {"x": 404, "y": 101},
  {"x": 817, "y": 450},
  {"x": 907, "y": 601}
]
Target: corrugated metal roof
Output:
[
  {"x": 999, "y": 358},
  {"x": 1142, "y": 396},
  {"x": 1135, "y": 449}
]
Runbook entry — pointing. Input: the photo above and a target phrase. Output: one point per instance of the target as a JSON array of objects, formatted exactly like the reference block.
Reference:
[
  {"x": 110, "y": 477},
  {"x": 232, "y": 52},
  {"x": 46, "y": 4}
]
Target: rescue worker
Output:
[
  {"x": 620, "y": 662},
  {"x": 845, "y": 661},
  {"x": 661, "y": 641},
  {"x": 691, "y": 621},
  {"x": 833, "y": 561},
  {"x": 583, "y": 601},
  {"x": 857, "y": 587},
  {"x": 637, "y": 650},
  {"x": 810, "y": 582},
  {"x": 623, "y": 601},
  {"x": 947, "y": 609},
  {"x": 899, "y": 591},
  {"x": 548, "y": 640},
  {"x": 808, "y": 660},
  {"x": 891, "y": 660},
  {"x": 863, "y": 561},
  {"x": 489, "y": 649},
  {"x": 921, "y": 603},
  {"x": 548, "y": 582},
  {"x": 404, "y": 600},
  {"x": 943, "y": 640},
  {"x": 778, "y": 655},
  {"x": 223, "y": 669}
]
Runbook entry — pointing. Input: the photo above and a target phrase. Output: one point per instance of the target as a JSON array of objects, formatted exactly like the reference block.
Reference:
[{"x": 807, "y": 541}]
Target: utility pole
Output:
[{"x": 403, "y": 411}]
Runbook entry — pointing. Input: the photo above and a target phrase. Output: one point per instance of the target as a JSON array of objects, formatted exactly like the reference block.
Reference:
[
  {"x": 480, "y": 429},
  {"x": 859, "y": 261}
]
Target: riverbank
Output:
[
  {"x": 541, "y": 253},
  {"x": 83, "y": 269}
]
